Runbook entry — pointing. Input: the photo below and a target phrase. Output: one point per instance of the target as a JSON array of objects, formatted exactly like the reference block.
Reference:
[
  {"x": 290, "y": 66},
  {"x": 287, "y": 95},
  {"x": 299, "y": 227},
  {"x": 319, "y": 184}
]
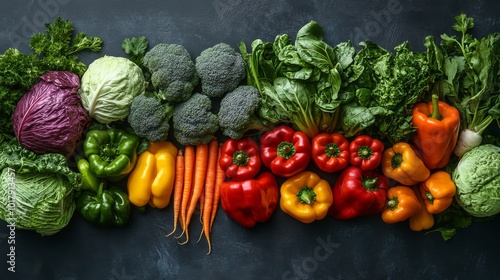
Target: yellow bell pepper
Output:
[
  {"x": 152, "y": 180},
  {"x": 306, "y": 197},
  {"x": 438, "y": 191},
  {"x": 401, "y": 163},
  {"x": 422, "y": 219}
]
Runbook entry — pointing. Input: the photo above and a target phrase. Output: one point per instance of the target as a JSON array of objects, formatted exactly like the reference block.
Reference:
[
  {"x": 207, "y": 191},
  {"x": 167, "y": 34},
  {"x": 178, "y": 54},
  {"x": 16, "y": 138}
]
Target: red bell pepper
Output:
[
  {"x": 366, "y": 152},
  {"x": 285, "y": 151},
  {"x": 240, "y": 159},
  {"x": 358, "y": 193},
  {"x": 251, "y": 201},
  {"x": 330, "y": 151}
]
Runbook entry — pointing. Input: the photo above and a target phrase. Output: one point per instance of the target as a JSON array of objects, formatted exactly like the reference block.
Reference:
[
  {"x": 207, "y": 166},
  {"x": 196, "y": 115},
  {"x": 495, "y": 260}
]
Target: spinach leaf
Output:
[{"x": 313, "y": 49}]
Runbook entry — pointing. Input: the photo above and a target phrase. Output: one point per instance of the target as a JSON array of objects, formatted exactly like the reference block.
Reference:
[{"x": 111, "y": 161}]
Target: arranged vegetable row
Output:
[
  {"x": 402, "y": 112},
  {"x": 251, "y": 196},
  {"x": 359, "y": 190}
]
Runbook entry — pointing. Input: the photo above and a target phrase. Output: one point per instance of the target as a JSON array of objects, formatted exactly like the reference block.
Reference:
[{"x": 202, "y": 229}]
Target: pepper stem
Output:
[
  {"x": 392, "y": 203},
  {"x": 435, "y": 107},
  {"x": 306, "y": 195},
  {"x": 396, "y": 160},
  {"x": 108, "y": 152},
  {"x": 370, "y": 183},
  {"x": 332, "y": 150},
  {"x": 240, "y": 158},
  {"x": 100, "y": 189},
  {"x": 430, "y": 197},
  {"x": 286, "y": 150},
  {"x": 365, "y": 152}
]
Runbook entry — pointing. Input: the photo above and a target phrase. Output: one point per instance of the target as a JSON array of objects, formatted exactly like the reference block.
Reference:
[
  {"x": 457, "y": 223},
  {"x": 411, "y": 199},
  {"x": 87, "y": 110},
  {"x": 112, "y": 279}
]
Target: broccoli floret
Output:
[
  {"x": 149, "y": 118},
  {"x": 238, "y": 112},
  {"x": 173, "y": 72},
  {"x": 193, "y": 120},
  {"x": 221, "y": 69}
]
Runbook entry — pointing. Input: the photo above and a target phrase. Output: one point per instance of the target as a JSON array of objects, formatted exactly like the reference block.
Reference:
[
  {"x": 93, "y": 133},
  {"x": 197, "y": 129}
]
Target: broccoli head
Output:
[
  {"x": 221, "y": 69},
  {"x": 149, "y": 118},
  {"x": 238, "y": 112},
  {"x": 173, "y": 72},
  {"x": 193, "y": 120}
]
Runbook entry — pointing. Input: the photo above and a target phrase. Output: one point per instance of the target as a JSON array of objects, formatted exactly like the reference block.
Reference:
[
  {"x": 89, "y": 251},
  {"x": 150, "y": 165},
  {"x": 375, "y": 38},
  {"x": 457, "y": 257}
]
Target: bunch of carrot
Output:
[{"x": 197, "y": 182}]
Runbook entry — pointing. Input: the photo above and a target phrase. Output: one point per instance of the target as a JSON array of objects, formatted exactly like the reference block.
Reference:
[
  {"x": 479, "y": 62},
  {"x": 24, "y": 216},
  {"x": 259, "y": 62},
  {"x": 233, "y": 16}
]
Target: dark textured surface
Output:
[{"x": 282, "y": 248}]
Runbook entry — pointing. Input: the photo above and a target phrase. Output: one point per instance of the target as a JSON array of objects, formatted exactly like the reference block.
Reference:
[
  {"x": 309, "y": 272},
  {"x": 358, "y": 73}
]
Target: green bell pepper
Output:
[
  {"x": 89, "y": 180},
  {"x": 111, "y": 153},
  {"x": 106, "y": 208}
]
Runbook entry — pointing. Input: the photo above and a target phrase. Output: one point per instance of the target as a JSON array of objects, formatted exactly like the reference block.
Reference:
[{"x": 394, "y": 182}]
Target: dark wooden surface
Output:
[{"x": 282, "y": 248}]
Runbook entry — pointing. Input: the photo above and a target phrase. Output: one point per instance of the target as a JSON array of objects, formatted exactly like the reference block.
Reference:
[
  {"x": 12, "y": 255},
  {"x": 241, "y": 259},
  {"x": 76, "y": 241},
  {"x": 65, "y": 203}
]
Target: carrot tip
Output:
[
  {"x": 199, "y": 238},
  {"x": 185, "y": 241}
]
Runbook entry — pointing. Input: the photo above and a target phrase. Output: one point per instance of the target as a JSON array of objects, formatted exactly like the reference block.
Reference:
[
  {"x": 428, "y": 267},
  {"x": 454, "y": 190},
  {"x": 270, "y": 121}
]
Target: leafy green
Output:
[
  {"x": 135, "y": 48},
  {"x": 297, "y": 99},
  {"x": 44, "y": 187},
  {"x": 477, "y": 178},
  {"x": 22, "y": 160},
  {"x": 469, "y": 71},
  {"x": 108, "y": 87},
  {"x": 385, "y": 92},
  {"x": 55, "y": 49},
  {"x": 358, "y": 118},
  {"x": 450, "y": 220},
  {"x": 453, "y": 219},
  {"x": 57, "y": 46},
  {"x": 301, "y": 82}
]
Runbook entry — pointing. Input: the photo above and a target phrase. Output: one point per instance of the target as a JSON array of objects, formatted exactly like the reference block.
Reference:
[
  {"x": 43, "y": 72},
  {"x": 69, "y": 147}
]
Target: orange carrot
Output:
[
  {"x": 178, "y": 188},
  {"x": 213, "y": 157},
  {"x": 202, "y": 203},
  {"x": 189, "y": 157},
  {"x": 219, "y": 179},
  {"x": 200, "y": 172}
]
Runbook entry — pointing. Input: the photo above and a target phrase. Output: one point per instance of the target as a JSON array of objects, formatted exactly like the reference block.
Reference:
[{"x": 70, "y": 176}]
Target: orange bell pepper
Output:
[
  {"x": 422, "y": 219},
  {"x": 401, "y": 163},
  {"x": 402, "y": 203},
  {"x": 152, "y": 180},
  {"x": 438, "y": 191},
  {"x": 437, "y": 126}
]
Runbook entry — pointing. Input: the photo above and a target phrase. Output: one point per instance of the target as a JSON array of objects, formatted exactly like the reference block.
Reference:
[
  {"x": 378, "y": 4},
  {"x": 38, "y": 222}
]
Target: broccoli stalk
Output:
[{"x": 238, "y": 113}]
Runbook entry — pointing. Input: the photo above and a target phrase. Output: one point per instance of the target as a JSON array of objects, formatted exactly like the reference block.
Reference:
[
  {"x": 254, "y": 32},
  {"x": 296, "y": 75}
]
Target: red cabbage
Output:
[{"x": 50, "y": 117}]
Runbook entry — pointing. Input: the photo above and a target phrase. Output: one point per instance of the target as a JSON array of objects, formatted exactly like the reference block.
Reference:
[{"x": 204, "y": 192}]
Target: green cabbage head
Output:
[
  {"x": 477, "y": 178},
  {"x": 108, "y": 87},
  {"x": 36, "y": 191}
]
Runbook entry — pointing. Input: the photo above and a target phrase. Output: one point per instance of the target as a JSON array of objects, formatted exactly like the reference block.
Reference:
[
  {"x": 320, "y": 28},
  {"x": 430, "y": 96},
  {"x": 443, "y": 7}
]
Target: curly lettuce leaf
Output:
[
  {"x": 24, "y": 161},
  {"x": 391, "y": 83}
]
